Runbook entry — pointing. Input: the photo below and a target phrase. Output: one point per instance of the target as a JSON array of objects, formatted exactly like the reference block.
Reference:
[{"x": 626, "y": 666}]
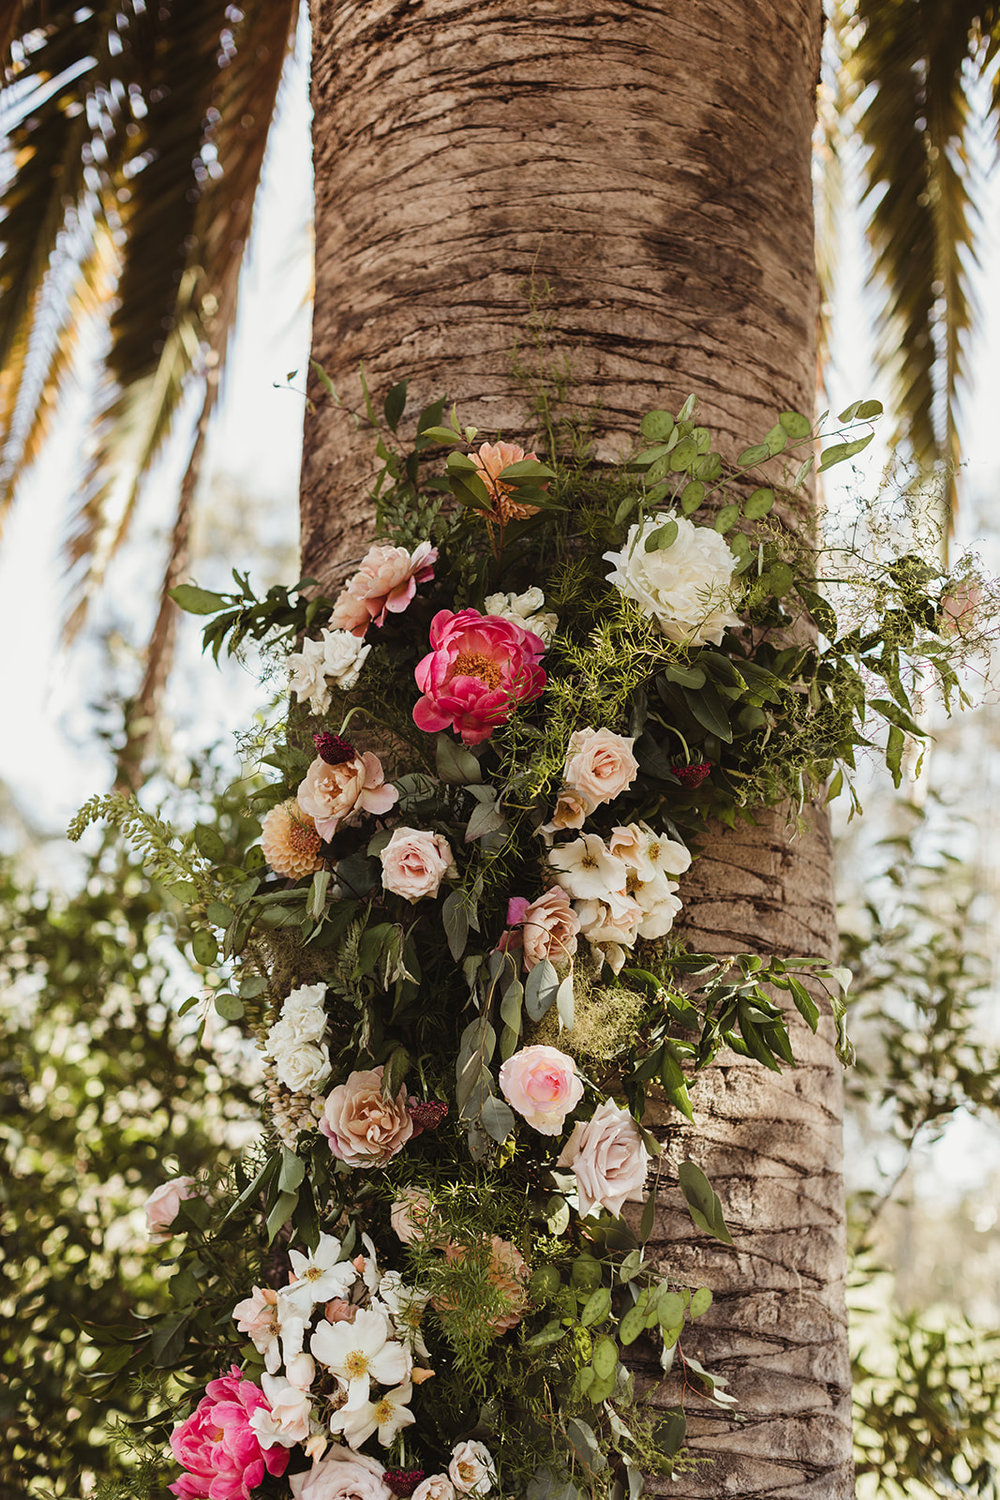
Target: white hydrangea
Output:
[
  {"x": 525, "y": 610},
  {"x": 686, "y": 586},
  {"x": 338, "y": 658}
]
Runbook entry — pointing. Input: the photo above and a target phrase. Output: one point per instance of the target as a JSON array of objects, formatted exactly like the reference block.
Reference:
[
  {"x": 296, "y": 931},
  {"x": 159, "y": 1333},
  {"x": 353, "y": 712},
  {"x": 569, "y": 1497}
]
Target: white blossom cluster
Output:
[
  {"x": 526, "y": 610},
  {"x": 336, "y": 658}
]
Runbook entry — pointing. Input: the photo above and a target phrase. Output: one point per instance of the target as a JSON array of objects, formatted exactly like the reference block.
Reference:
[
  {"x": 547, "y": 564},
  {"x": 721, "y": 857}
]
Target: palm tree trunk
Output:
[{"x": 650, "y": 160}]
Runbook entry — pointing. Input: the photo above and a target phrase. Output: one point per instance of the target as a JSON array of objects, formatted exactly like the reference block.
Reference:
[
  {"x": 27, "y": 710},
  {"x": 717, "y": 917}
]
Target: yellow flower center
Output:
[
  {"x": 356, "y": 1363},
  {"x": 475, "y": 664},
  {"x": 383, "y": 1412}
]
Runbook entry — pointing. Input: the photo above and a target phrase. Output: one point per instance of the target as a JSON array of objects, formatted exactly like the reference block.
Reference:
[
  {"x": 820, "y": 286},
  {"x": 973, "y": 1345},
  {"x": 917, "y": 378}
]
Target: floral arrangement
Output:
[{"x": 456, "y": 948}]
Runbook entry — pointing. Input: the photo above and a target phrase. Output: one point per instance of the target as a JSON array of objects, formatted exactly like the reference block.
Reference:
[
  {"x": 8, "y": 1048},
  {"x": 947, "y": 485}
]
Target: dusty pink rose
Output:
[
  {"x": 600, "y": 764},
  {"x": 339, "y": 1311},
  {"x": 415, "y": 862},
  {"x": 608, "y": 1158},
  {"x": 363, "y": 1128},
  {"x": 162, "y": 1205},
  {"x": 508, "y": 1272},
  {"x": 958, "y": 606},
  {"x": 218, "y": 1447},
  {"x": 541, "y": 1083},
  {"x": 337, "y": 794},
  {"x": 385, "y": 582},
  {"x": 572, "y": 808},
  {"x": 480, "y": 667},
  {"x": 408, "y": 1215},
  {"x": 549, "y": 926},
  {"x": 491, "y": 459},
  {"x": 341, "y": 1475}
]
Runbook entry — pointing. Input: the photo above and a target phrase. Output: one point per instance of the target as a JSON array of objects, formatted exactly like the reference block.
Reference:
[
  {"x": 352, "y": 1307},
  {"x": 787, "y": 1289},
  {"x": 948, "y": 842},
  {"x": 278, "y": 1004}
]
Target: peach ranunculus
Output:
[
  {"x": 548, "y": 926},
  {"x": 364, "y": 1128},
  {"x": 290, "y": 842},
  {"x": 479, "y": 668},
  {"x": 599, "y": 764},
  {"x": 542, "y": 1085},
  {"x": 385, "y": 583},
  {"x": 218, "y": 1447},
  {"x": 508, "y": 1273},
  {"x": 489, "y": 461},
  {"x": 609, "y": 1159},
  {"x": 335, "y": 794},
  {"x": 162, "y": 1204},
  {"x": 341, "y": 1475},
  {"x": 414, "y": 863}
]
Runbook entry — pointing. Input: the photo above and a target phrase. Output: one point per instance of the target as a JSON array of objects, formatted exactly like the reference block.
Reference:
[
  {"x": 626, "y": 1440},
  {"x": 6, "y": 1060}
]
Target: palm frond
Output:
[
  {"x": 909, "y": 70},
  {"x": 831, "y": 145}
]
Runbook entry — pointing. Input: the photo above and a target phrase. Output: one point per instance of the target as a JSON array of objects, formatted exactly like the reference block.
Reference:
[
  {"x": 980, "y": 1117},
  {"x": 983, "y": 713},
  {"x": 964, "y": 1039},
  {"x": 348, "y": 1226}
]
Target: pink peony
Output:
[
  {"x": 218, "y": 1447},
  {"x": 541, "y": 1083},
  {"x": 341, "y": 1475},
  {"x": 599, "y": 764},
  {"x": 162, "y": 1205},
  {"x": 363, "y": 1127},
  {"x": 414, "y": 863},
  {"x": 335, "y": 794},
  {"x": 385, "y": 582},
  {"x": 479, "y": 669},
  {"x": 609, "y": 1159},
  {"x": 490, "y": 461},
  {"x": 549, "y": 926}
]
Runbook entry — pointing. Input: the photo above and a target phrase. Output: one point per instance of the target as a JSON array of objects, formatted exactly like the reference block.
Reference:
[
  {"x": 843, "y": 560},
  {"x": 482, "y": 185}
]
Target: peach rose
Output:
[
  {"x": 365, "y": 1129},
  {"x": 541, "y": 1083},
  {"x": 572, "y": 808},
  {"x": 507, "y": 1271},
  {"x": 162, "y": 1205},
  {"x": 335, "y": 794},
  {"x": 415, "y": 862},
  {"x": 549, "y": 926},
  {"x": 491, "y": 459},
  {"x": 600, "y": 764},
  {"x": 608, "y": 1158},
  {"x": 385, "y": 582},
  {"x": 408, "y": 1215}
]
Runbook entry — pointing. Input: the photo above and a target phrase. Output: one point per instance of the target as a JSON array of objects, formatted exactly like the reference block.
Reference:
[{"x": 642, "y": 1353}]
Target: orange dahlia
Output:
[{"x": 290, "y": 842}]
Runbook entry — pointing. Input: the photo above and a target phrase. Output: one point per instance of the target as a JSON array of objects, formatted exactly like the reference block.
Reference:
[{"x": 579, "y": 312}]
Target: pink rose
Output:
[
  {"x": 364, "y": 1128},
  {"x": 415, "y": 862},
  {"x": 435, "y": 1487},
  {"x": 600, "y": 764},
  {"x": 218, "y": 1447},
  {"x": 386, "y": 581},
  {"x": 608, "y": 1158},
  {"x": 162, "y": 1205},
  {"x": 472, "y": 1470},
  {"x": 490, "y": 461},
  {"x": 549, "y": 926},
  {"x": 335, "y": 794},
  {"x": 541, "y": 1083},
  {"x": 342, "y": 1475},
  {"x": 479, "y": 669},
  {"x": 408, "y": 1215}
]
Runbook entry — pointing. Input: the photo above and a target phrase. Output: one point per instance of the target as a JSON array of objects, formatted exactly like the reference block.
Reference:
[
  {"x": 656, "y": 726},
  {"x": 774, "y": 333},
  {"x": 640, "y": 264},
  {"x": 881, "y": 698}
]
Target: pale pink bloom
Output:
[
  {"x": 491, "y": 459},
  {"x": 587, "y": 869},
  {"x": 162, "y": 1205},
  {"x": 358, "y": 1353},
  {"x": 614, "y": 921},
  {"x": 507, "y": 1271},
  {"x": 548, "y": 924},
  {"x": 289, "y": 841},
  {"x": 337, "y": 794},
  {"x": 218, "y": 1447},
  {"x": 609, "y": 1159},
  {"x": 472, "y": 1470},
  {"x": 600, "y": 764},
  {"x": 409, "y": 1213},
  {"x": 415, "y": 862},
  {"x": 364, "y": 1128},
  {"x": 479, "y": 668},
  {"x": 339, "y": 1311},
  {"x": 257, "y": 1317},
  {"x": 571, "y": 810},
  {"x": 342, "y": 1475},
  {"x": 287, "y": 1422},
  {"x": 389, "y": 1414},
  {"x": 959, "y": 604},
  {"x": 541, "y": 1083},
  {"x": 434, "y": 1487},
  {"x": 385, "y": 582}
]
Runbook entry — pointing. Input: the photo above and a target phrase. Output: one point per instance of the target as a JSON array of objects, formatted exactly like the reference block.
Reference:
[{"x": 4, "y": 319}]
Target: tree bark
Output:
[{"x": 650, "y": 161}]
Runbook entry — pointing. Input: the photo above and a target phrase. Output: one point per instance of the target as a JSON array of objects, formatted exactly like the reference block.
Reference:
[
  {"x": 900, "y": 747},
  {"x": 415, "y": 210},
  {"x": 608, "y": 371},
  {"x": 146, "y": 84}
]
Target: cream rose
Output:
[
  {"x": 341, "y": 1475},
  {"x": 408, "y": 1215},
  {"x": 335, "y": 794},
  {"x": 685, "y": 586},
  {"x": 608, "y": 1158},
  {"x": 434, "y": 1487},
  {"x": 541, "y": 1083},
  {"x": 414, "y": 863},
  {"x": 364, "y": 1128},
  {"x": 162, "y": 1205},
  {"x": 472, "y": 1470},
  {"x": 599, "y": 764}
]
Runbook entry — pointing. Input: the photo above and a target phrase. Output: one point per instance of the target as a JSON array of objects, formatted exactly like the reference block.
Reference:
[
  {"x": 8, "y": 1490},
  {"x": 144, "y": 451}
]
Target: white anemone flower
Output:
[
  {"x": 287, "y": 1423},
  {"x": 587, "y": 869},
  {"x": 405, "y": 1306},
  {"x": 319, "y": 1276},
  {"x": 389, "y": 1414},
  {"x": 358, "y": 1353}
]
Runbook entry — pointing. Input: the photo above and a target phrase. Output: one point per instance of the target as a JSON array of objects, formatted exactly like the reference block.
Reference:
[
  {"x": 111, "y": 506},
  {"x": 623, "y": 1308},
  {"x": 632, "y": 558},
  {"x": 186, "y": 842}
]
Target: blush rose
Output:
[
  {"x": 364, "y": 1128},
  {"x": 608, "y": 1158},
  {"x": 600, "y": 764},
  {"x": 414, "y": 863},
  {"x": 542, "y": 1085}
]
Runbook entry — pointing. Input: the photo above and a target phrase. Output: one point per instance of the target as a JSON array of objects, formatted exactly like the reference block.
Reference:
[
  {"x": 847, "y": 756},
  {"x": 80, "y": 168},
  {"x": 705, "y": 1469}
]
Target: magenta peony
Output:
[
  {"x": 479, "y": 669},
  {"x": 218, "y": 1447}
]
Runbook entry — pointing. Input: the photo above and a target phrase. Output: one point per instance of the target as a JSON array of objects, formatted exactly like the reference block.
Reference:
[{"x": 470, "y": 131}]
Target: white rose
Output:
[
  {"x": 525, "y": 610},
  {"x": 472, "y": 1470},
  {"x": 685, "y": 586},
  {"x": 303, "y": 1012},
  {"x": 302, "y": 1067},
  {"x": 343, "y": 656},
  {"x": 308, "y": 676},
  {"x": 434, "y": 1487}
]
